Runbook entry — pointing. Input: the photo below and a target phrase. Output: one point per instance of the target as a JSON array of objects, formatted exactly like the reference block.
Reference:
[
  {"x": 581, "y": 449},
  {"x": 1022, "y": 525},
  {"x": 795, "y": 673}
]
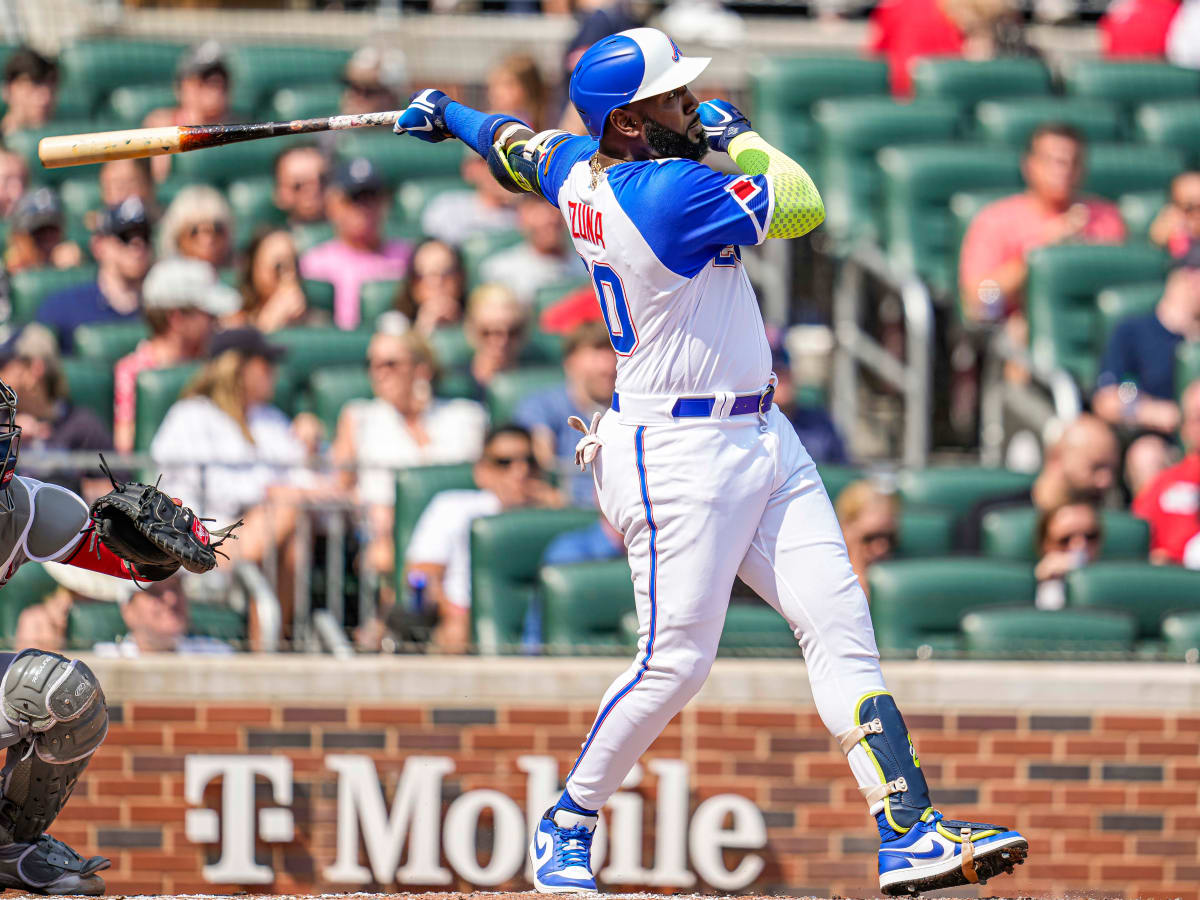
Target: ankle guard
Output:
[{"x": 881, "y": 732}]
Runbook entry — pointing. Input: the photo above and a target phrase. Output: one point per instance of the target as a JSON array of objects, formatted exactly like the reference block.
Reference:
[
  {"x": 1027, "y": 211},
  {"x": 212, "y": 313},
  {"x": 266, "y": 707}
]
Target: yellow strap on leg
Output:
[{"x": 968, "y": 856}]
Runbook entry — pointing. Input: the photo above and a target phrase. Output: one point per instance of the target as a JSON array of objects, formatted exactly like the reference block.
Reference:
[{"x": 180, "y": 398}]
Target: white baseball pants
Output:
[{"x": 699, "y": 502}]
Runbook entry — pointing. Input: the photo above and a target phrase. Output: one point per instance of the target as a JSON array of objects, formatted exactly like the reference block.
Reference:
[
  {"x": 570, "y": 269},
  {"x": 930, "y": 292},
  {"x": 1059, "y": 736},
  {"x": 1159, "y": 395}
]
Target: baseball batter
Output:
[{"x": 705, "y": 478}]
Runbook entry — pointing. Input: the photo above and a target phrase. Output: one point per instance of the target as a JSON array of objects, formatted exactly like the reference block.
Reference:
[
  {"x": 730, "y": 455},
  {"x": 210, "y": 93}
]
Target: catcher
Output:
[{"x": 53, "y": 715}]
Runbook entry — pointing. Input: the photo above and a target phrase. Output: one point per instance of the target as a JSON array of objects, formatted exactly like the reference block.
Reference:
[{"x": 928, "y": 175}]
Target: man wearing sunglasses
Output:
[
  {"x": 123, "y": 252},
  {"x": 508, "y": 477}
]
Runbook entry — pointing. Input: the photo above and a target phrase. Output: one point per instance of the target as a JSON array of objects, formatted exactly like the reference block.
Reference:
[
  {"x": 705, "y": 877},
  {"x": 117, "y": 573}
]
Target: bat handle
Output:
[{"x": 103, "y": 146}]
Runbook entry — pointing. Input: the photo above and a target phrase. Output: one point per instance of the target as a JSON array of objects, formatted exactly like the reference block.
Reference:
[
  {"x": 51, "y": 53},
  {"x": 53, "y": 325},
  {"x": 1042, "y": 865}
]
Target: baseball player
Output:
[
  {"x": 54, "y": 715},
  {"x": 693, "y": 464}
]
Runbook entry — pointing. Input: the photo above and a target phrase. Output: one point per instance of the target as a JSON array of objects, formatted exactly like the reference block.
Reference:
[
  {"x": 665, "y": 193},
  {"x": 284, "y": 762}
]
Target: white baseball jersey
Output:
[{"x": 661, "y": 241}]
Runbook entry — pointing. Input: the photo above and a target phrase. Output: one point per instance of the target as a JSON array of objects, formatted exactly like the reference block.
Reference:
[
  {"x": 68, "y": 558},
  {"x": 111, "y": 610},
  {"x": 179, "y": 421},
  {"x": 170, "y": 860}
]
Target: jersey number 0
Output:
[{"x": 611, "y": 293}]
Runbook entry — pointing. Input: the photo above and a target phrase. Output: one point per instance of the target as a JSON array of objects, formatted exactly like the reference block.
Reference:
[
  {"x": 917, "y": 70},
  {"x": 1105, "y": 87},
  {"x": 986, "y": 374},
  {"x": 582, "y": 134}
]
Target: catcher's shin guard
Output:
[
  {"x": 59, "y": 709},
  {"x": 902, "y": 792}
]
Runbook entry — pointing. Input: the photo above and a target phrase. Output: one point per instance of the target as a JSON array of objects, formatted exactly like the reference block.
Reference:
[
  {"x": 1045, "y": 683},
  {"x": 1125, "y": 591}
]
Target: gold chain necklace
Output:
[{"x": 598, "y": 168}]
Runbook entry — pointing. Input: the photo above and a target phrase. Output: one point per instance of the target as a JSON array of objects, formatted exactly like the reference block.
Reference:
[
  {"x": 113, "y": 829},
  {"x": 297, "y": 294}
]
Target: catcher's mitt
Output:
[{"x": 154, "y": 532}]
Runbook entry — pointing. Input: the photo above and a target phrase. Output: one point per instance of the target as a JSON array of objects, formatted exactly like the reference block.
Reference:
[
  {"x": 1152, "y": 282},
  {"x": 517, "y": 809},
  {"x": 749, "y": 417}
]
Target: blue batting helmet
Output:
[{"x": 625, "y": 67}]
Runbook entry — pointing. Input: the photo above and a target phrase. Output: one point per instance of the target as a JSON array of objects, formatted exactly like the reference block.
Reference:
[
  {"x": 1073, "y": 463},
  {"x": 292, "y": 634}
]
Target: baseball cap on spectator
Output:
[
  {"x": 34, "y": 341},
  {"x": 204, "y": 59},
  {"x": 37, "y": 209},
  {"x": 358, "y": 176},
  {"x": 246, "y": 341},
  {"x": 181, "y": 283},
  {"x": 128, "y": 215}
]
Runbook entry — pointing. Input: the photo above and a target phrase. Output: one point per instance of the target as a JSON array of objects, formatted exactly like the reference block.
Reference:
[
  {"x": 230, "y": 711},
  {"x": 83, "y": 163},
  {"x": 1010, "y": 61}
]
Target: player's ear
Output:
[{"x": 625, "y": 122}]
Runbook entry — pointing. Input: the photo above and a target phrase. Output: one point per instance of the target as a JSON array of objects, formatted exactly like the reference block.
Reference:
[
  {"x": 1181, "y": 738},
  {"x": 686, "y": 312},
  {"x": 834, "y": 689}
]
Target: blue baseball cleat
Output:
[
  {"x": 561, "y": 852},
  {"x": 940, "y": 853}
]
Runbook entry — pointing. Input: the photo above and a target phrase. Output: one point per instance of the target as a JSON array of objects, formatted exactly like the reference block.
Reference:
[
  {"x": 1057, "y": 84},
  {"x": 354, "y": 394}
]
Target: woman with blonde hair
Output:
[
  {"x": 197, "y": 224},
  {"x": 515, "y": 86},
  {"x": 869, "y": 519},
  {"x": 496, "y": 327}
]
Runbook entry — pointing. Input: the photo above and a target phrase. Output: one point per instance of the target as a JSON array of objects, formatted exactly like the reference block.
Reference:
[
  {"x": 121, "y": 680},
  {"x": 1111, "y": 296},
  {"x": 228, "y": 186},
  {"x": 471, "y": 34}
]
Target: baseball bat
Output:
[{"x": 134, "y": 143}]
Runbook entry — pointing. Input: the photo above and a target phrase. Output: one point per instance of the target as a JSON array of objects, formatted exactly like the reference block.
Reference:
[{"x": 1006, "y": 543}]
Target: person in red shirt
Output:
[
  {"x": 906, "y": 30},
  {"x": 1177, "y": 226},
  {"x": 1136, "y": 27},
  {"x": 1171, "y": 502}
]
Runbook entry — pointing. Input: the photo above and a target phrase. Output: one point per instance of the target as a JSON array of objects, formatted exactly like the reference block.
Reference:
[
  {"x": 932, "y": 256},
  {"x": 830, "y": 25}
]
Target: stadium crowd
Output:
[{"x": 166, "y": 314}]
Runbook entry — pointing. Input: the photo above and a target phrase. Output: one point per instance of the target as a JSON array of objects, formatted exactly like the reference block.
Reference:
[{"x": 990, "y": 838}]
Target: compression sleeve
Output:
[
  {"x": 473, "y": 128},
  {"x": 798, "y": 205}
]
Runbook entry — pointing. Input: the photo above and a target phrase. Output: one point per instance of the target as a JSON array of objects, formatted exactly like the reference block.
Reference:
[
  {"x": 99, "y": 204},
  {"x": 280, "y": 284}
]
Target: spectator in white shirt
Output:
[
  {"x": 158, "y": 619},
  {"x": 543, "y": 258},
  {"x": 454, "y": 216},
  {"x": 508, "y": 478}
]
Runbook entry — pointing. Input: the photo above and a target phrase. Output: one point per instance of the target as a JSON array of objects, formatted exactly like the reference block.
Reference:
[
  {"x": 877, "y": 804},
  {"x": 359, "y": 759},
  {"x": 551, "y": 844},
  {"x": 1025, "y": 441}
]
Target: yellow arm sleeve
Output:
[{"x": 798, "y": 205}]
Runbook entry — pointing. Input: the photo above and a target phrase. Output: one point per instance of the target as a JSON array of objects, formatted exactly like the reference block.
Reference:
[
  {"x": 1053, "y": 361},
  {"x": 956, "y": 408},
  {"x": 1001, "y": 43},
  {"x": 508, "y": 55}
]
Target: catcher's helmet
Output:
[
  {"x": 627, "y": 66},
  {"x": 10, "y": 441}
]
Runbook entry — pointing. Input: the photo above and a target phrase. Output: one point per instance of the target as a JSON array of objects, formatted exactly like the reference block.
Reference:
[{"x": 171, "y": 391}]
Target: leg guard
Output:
[
  {"x": 58, "y": 707},
  {"x": 879, "y": 730}
]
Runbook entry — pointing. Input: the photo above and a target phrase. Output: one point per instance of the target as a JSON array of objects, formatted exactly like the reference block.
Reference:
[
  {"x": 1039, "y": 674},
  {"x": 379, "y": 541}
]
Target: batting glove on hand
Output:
[
  {"x": 425, "y": 117},
  {"x": 722, "y": 122}
]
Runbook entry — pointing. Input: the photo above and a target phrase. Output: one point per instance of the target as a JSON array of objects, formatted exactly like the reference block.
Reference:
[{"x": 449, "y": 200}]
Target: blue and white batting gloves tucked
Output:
[
  {"x": 425, "y": 117},
  {"x": 722, "y": 122}
]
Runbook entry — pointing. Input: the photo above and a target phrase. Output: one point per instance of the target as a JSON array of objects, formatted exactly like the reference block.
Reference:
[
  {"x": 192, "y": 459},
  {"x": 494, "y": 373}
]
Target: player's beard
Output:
[{"x": 669, "y": 144}]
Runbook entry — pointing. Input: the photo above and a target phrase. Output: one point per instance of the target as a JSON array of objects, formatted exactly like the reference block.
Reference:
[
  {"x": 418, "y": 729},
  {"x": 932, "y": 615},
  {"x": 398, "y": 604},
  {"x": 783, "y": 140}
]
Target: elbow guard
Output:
[{"x": 509, "y": 167}]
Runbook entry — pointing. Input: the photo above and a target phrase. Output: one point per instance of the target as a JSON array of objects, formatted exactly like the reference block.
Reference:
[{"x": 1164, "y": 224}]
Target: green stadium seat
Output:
[
  {"x": 1130, "y": 84},
  {"x": 30, "y": 584},
  {"x": 376, "y": 298},
  {"x": 1172, "y": 123},
  {"x": 25, "y": 143},
  {"x": 507, "y": 390},
  {"x": 920, "y": 601},
  {"x": 1116, "y": 169},
  {"x": 835, "y": 477},
  {"x": 31, "y": 287},
  {"x": 1181, "y": 634},
  {"x": 1008, "y": 533},
  {"x": 216, "y": 620},
  {"x": 413, "y": 196},
  {"x": 850, "y": 132},
  {"x": 415, "y": 487},
  {"x": 80, "y": 196},
  {"x": 398, "y": 161},
  {"x": 93, "y": 623},
  {"x": 1187, "y": 365},
  {"x": 319, "y": 294},
  {"x": 1122, "y": 301},
  {"x": 257, "y": 71},
  {"x": 783, "y": 90},
  {"x": 1064, "y": 322},
  {"x": 505, "y": 553},
  {"x": 918, "y": 183},
  {"x": 157, "y": 389},
  {"x": 583, "y": 605},
  {"x": 90, "y": 385},
  {"x": 309, "y": 101},
  {"x": 479, "y": 247},
  {"x": 218, "y": 166},
  {"x": 1146, "y": 591},
  {"x": 253, "y": 204},
  {"x": 130, "y": 104},
  {"x": 109, "y": 341},
  {"x": 753, "y": 627},
  {"x": 550, "y": 294},
  {"x": 1012, "y": 121},
  {"x": 334, "y": 386},
  {"x": 959, "y": 488},
  {"x": 925, "y": 531},
  {"x": 1024, "y": 632},
  {"x": 309, "y": 350},
  {"x": 1139, "y": 209},
  {"x": 967, "y": 82},
  {"x": 93, "y": 68}
]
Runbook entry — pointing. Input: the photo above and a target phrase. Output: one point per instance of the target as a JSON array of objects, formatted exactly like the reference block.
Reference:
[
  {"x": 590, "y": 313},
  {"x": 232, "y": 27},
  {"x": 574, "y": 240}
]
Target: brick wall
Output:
[{"x": 1109, "y": 800}]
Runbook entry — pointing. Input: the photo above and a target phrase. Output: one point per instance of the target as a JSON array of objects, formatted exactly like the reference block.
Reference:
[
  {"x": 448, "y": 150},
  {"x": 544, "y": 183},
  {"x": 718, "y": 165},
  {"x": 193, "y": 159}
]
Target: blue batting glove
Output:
[
  {"x": 425, "y": 117},
  {"x": 722, "y": 122}
]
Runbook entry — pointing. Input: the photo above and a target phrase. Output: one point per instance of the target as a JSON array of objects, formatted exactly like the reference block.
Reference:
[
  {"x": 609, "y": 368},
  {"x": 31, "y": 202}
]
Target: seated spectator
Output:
[
  {"x": 543, "y": 258},
  {"x": 508, "y": 478},
  {"x": 515, "y": 86},
  {"x": 202, "y": 92},
  {"x": 592, "y": 543},
  {"x": 1067, "y": 537},
  {"x": 1136, "y": 28},
  {"x": 590, "y": 366},
  {"x": 454, "y": 216},
  {"x": 157, "y": 616},
  {"x": 1177, "y": 226},
  {"x": 356, "y": 203},
  {"x": 404, "y": 425},
  {"x": 373, "y": 80},
  {"x": 30, "y": 90},
  {"x": 182, "y": 300},
  {"x": 1136, "y": 384},
  {"x": 122, "y": 250},
  {"x": 1171, "y": 502},
  {"x": 123, "y": 178},
  {"x": 301, "y": 174},
  {"x": 270, "y": 284},
  {"x": 904, "y": 31},
  {"x": 198, "y": 225},
  {"x": 497, "y": 327},
  {"x": 14, "y": 181},
  {"x": 1183, "y": 37},
  {"x": 37, "y": 238},
  {"x": 44, "y": 625},
  {"x": 992, "y": 270},
  {"x": 435, "y": 292},
  {"x": 813, "y": 424},
  {"x": 30, "y": 365},
  {"x": 869, "y": 518}
]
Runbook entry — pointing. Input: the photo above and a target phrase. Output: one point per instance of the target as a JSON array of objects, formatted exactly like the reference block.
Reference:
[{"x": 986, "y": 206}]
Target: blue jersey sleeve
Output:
[
  {"x": 557, "y": 159},
  {"x": 688, "y": 213}
]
